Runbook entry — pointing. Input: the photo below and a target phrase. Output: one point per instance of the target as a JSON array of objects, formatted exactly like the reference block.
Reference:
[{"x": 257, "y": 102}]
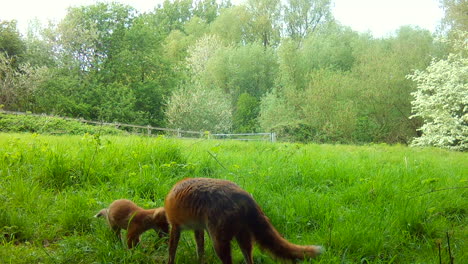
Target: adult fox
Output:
[
  {"x": 226, "y": 211},
  {"x": 125, "y": 214}
]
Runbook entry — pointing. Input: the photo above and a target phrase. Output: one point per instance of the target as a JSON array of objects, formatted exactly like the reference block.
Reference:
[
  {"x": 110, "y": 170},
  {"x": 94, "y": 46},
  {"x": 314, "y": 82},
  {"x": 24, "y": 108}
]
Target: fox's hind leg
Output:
[
  {"x": 200, "y": 239},
  {"x": 222, "y": 244},
  {"x": 244, "y": 239},
  {"x": 223, "y": 250}
]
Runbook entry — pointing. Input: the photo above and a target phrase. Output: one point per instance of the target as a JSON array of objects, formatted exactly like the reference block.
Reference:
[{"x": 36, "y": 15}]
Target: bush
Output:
[
  {"x": 199, "y": 109},
  {"x": 50, "y": 125},
  {"x": 442, "y": 102}
]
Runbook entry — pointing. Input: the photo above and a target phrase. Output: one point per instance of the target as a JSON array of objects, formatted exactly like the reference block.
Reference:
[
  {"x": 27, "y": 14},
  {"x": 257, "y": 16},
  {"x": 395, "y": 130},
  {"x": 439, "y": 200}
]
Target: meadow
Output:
[{"x": 364, "y": 204}]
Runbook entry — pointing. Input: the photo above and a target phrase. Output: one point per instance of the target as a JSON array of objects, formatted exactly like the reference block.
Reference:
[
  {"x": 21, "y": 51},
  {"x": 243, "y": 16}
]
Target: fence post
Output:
[
  {"x": 178, "y": 133},
  {"x": 149, "y": 130},
  {"x": 273, "y": 136}
]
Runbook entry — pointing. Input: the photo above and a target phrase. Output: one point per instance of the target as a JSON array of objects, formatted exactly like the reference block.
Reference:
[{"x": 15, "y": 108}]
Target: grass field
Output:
[{"x": 364, "y": 204}]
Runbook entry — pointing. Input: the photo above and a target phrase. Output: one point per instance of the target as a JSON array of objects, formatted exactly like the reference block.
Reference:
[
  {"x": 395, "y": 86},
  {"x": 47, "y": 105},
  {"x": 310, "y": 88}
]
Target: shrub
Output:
[
  {"x": 441, "y": 100},
  {"x": 50, "y": 125}
]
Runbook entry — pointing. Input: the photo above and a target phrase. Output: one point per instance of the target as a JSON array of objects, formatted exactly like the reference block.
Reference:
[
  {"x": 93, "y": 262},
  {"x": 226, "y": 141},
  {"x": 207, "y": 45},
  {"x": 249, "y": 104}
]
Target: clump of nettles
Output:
[{"x": 441, "y": 100}]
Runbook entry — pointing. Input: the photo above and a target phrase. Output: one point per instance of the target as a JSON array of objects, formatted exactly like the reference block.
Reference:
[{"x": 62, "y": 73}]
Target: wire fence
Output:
[{"x": 154, "y": 131}]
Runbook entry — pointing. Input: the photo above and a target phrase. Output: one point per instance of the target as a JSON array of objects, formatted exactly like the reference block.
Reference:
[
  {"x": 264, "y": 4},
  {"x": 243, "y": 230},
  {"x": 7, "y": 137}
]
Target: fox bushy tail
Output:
[{"x": 269, "y": 239}]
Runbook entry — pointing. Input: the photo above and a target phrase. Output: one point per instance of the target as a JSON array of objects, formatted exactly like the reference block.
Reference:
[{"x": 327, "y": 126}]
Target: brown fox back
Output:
[{"x": 227, "y": 212}]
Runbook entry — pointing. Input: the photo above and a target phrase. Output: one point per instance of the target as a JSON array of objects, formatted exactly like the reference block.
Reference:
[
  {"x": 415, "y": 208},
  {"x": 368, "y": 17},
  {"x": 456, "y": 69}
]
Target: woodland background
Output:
[{"x": 268, "y": 65}]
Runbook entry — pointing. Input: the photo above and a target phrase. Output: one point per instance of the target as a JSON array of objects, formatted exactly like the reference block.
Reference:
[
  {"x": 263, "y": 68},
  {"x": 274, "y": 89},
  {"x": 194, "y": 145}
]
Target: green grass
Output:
[{"x": 364, "y": 204}]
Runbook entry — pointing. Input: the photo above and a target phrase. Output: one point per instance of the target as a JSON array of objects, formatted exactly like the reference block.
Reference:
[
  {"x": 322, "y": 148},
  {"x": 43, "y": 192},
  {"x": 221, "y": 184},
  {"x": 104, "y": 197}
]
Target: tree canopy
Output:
[{"x": 267, "y": 65}]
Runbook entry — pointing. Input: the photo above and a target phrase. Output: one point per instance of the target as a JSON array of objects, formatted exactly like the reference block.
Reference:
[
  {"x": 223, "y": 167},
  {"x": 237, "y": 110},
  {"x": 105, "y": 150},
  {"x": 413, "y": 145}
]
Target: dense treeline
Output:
[{"x": 267, "y": 65}]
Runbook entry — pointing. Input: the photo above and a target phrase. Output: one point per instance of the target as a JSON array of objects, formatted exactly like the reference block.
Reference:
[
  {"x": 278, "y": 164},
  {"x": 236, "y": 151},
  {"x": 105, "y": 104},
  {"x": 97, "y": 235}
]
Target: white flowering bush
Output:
[
  {"x": 441, "y": 100},
  {"x": 199, "y": 109}
]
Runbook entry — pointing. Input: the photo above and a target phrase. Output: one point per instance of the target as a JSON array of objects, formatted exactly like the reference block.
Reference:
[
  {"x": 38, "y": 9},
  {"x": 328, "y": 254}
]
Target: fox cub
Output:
[
  {"x": 124, "y": 214},
  {"x": 226, "y": 211}
]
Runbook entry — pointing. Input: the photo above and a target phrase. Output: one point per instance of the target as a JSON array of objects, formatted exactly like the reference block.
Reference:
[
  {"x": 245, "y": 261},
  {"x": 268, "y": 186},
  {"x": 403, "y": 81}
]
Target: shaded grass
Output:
[{"x": 366, "y": 204}]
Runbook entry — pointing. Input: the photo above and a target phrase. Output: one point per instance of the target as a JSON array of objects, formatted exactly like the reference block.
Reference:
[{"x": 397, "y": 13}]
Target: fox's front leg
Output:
[
  {"x": 174, "y": 238},
  {"x": 116, "y": 231},
  {"x": 200, "y": 240},
  {"x": 133, "y": 237}
]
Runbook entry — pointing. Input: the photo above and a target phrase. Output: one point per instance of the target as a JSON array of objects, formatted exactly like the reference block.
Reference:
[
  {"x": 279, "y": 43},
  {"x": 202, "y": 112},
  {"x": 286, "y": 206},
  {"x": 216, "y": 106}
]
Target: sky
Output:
[{"x": 379, "y": 17}]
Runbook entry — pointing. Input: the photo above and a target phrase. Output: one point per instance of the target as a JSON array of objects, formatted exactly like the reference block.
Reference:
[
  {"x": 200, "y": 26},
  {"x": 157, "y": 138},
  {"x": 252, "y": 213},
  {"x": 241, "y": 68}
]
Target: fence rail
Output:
[{"x": 178, "y": 132}]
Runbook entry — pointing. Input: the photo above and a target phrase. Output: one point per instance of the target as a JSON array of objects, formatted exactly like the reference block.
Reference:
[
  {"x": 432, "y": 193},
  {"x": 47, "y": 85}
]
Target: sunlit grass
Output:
[{"x": 365, "y": 204}]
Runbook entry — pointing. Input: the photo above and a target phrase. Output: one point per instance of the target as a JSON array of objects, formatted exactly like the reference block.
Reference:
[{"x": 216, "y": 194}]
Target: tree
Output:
[
  {"x": 18, "y": 84},
  {"x": 277, "y": 114},
  {"x": 323, "y": 111},
  {"x": 198, "y": 105},
  {"x": 243, "y": 69},
  {"x": 265, "y": 20},
  {"x": 64, "y": 94},
  {"x": 304, "y": 16},
  {"x": 380, "y": 72},
  {"x": 208, "y": 10},
  {"x": 245, "y": 115},
  {"x": 39, "y": 47},
  {"x": 199, "y": 109},
  {"x": 332, "y": 49},
  {"x": 172, "y": 15},
  {"x": 455, "y": 15},
  {"x": 141, "y": 66},
  {"x": 90, "y": 35},
  {"x": 441, "y": 101},
  {"x": 200, "y": 53},
  {"x": 234, "y": 26},
  {"x": 115, "y": 103},
  {"x": 11, "y": 44}
]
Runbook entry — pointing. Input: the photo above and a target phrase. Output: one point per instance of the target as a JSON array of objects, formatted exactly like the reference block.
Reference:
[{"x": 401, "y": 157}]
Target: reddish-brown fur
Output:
[
  {"x": 124, "y": 214},
  {"x": 226, "y": 212}
]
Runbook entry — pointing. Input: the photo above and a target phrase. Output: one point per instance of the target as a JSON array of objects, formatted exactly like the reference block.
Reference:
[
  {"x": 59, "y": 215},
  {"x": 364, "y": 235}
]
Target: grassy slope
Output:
[{"x": 368, "y": 203}]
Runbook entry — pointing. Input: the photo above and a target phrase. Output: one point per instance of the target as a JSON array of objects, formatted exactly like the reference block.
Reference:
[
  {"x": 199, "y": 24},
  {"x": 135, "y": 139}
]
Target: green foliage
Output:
[
  {"x": 173, "y": 14},
  {"x": 265, "y": 21},
  {"x": 324, "y": 112},
  {"x": 279, "y": 115},
  {"x": 18, "y": 83},
  {"x": 113, "y": 102},
  {"x": 244, "y": 118},
  {"x": 373, "y": 204},
  {"x": 345, "y": 87},
  {"x": 333, "y": 49},
  {"x": 246, "y": 69},
  {"x": 11, "y": 44},
  {"x": 63, "y": 93},
  {"x": 380, "y": 75},
  {"x": 50, "y": 125},
  {"x": 91, "y": 35},
  {"x": 303, "y": 17},
  {"x": 233, "y": 25},
  {"x": 39, "y": 49},
  {"x": 108, "y": 62},
  {"x": 455, "y": 15}
]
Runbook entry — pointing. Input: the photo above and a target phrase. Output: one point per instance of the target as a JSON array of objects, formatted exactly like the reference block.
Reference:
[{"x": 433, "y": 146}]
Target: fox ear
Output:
[{"x": 102, "y": 213}]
